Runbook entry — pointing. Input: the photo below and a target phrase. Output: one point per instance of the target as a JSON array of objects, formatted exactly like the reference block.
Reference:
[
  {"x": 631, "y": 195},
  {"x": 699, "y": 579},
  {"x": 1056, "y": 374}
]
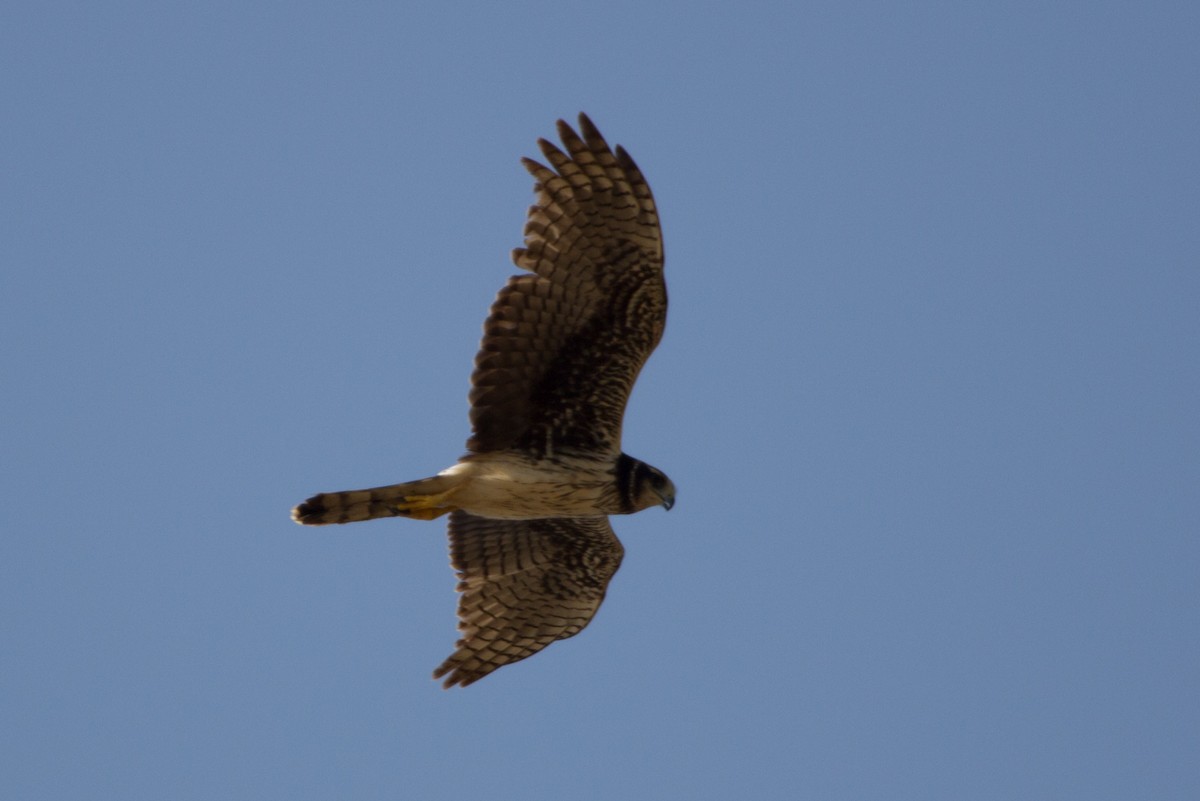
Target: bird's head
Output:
[
  {"x": 640, "y": 486},
  {"x": 655, "y": 489}
]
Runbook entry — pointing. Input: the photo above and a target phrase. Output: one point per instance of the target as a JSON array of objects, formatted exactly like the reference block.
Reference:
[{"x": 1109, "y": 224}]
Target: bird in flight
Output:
[{"x": 563, "y": 343}]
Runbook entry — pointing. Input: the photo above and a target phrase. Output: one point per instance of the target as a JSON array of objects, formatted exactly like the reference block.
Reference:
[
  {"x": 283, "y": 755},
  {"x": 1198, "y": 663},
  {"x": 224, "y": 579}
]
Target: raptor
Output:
[{"x": 563, "y": 344}]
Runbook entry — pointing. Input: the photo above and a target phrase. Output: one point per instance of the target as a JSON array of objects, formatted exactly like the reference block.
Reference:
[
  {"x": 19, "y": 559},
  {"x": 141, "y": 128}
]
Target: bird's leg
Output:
[{"x": 425, "y": 507}]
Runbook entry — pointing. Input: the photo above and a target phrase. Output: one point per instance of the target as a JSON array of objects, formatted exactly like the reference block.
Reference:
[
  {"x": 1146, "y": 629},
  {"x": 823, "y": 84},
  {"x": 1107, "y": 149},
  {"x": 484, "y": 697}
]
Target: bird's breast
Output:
[{"x": 509, "y": 486}]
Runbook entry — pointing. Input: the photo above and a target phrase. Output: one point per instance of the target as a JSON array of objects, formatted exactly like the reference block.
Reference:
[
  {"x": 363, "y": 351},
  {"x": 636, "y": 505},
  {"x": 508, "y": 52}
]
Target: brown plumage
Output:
[
  {"x": 524, "y": 584},
  {"x": 562, "y": 347}
]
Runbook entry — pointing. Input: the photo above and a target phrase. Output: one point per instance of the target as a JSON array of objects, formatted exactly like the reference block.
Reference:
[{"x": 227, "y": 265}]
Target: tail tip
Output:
[{"x": 310, "y": 513}]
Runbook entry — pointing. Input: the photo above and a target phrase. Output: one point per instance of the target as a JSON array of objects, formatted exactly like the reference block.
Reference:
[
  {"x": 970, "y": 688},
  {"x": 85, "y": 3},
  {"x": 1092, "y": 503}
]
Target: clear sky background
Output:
[{"x": 929, "y": 391}]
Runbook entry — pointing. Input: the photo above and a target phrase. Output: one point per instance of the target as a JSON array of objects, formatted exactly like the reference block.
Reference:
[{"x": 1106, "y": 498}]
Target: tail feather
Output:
[{"x": 424, "y": 500}]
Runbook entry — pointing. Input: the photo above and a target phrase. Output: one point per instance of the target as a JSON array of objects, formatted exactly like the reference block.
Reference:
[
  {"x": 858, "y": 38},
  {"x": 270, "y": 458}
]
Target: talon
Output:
[{"x": 424, "y": 507}]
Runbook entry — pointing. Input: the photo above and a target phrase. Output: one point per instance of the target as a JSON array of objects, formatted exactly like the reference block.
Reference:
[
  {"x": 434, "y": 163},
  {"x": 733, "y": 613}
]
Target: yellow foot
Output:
[{"x": 424, "y": 507}]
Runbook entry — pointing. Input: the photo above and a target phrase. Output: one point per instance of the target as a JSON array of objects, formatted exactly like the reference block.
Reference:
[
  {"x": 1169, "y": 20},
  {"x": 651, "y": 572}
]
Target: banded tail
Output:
[{"x": 423, "y": 500}]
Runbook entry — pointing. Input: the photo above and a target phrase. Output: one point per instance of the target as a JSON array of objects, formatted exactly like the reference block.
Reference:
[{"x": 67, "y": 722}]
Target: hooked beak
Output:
[{"x": 668, "y": 499}]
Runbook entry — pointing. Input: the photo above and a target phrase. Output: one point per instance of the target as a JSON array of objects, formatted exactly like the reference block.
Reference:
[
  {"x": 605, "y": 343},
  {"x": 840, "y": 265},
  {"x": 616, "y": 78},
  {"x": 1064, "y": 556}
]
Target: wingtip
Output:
[
  {"x": 626, "y": 160},
  {"x": 588, "y": 128},
  {"x": 456, "y": 677}
]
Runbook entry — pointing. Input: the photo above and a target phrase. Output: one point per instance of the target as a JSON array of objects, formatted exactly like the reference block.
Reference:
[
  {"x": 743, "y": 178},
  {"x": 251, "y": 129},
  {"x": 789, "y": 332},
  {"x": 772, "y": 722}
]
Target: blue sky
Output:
[{"x": 929, "y": 393}]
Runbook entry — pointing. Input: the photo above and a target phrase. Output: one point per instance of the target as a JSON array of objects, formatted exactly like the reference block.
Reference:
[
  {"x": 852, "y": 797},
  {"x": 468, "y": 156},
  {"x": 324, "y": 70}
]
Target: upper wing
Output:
[
  {"x": 562, "y": 347},
  {"x": 524, "y": 584}
]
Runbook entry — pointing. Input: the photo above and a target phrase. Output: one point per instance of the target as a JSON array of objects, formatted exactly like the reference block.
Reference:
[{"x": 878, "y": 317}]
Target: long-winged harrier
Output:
[{"x": 562, "y": 347}]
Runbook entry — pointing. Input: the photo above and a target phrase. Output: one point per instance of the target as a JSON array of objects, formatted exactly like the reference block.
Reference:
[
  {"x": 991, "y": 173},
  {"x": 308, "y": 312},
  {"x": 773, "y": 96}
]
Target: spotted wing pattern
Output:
[
  {"x": 524, "y": 584},
  {"x": 563, "y": 345}
]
